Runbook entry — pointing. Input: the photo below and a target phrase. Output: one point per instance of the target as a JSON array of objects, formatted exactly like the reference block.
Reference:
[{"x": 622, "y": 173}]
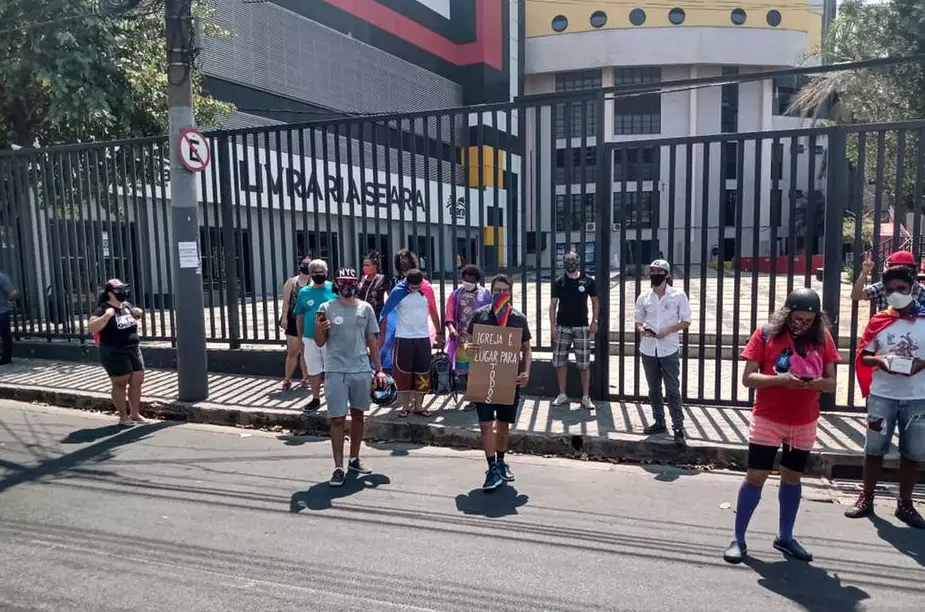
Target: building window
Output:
[
  {"x": 676, "y": 15},
  {"x": 582, "y": 113},
  {"x": 637, "y": 16},
  {"x": 559, "y": 23},
  {"x": 785, "y": 88},
  {"x": 642, "y": 164},
  {"x": 569, "y": 218},
  {"x": 773, "y": 18},
  {"x": 641, "y": 114},
  {"x": 729, "y": 119},
  {"x": 639, "y": 207},
  {"x": 730, "y": 207},
  {"x": 738, "y": 16},
  {"x": 598, "y": 19},
  {"x": 570, "y": 174},
  {"x": 731, "y": 161}
]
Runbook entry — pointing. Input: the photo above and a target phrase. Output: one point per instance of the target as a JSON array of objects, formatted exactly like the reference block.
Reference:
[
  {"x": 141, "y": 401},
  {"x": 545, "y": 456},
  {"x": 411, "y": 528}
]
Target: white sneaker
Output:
[
  {"x": 561, "y": 400},
  {"x": 587, "y": 403}
]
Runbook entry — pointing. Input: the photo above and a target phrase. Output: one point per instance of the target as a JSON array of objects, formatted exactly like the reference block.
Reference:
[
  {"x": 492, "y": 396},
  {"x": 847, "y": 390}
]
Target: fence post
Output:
[
  {"x": 228, "y": 240},
  {"x": 603, "y": 218},
  {"x": 836, "y": 196}
]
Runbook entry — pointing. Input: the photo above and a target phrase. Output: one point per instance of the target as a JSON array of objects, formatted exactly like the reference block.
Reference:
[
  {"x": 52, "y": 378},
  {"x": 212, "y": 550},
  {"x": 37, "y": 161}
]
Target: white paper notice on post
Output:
[{"x": 189, "y": 254}]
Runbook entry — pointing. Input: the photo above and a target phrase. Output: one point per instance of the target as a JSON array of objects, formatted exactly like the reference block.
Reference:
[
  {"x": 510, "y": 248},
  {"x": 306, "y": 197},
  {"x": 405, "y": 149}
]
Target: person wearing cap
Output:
[
  {"x": 790, "y": 361},
  {"x": 890, "y": 368},
  {"x": 571, "y": 330},
  {"x": 661, "y": 313},
  {"x": 311, "y": 297},
  {"x": 114, "y": 325},
  {"x": 347, "y": 330},
  {"x": 876, "y": 292}
]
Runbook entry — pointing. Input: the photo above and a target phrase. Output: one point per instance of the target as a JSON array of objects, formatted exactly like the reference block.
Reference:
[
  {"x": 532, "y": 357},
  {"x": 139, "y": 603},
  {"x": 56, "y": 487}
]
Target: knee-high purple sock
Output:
[
  {"x": 789, "y": 498},
  {"x": 749, "y": 496}
]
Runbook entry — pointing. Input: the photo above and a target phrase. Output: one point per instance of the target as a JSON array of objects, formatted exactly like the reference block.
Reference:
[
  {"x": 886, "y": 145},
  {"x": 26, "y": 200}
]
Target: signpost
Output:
[
  {"x": 195, "y": 153},
  {"x": 495, "y": 366}
]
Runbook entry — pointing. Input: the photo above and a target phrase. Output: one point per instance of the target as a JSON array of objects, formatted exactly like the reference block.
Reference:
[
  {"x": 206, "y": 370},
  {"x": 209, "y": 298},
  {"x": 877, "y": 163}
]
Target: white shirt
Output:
[
  {"x": 413, "y": 315},
  {"x": 660, "y": 313},
  {"x": 903, "y": 338}
]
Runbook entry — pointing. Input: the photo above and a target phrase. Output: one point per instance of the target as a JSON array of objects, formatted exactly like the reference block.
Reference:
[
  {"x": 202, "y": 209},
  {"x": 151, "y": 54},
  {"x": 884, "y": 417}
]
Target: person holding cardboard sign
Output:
[
  {"x": 499, "y": 338},
  {"x": 890, "y": 365}
]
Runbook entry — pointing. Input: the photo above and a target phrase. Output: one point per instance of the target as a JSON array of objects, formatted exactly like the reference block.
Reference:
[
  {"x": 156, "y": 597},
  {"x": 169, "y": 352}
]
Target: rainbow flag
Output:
[{"x": 501, "y": 306}]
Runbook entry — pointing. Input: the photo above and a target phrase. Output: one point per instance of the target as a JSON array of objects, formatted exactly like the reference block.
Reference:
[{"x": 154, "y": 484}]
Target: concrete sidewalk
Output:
[{"x": 717, "y": 436}]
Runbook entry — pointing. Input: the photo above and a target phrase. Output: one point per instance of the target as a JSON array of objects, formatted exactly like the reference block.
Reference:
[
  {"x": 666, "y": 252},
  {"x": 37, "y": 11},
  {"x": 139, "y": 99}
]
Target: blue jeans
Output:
[{"x": 883, "y": 416}]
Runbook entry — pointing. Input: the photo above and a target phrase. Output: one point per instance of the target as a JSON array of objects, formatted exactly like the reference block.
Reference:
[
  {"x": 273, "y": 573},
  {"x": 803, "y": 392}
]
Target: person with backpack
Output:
[
  {"x": 114, "y": 325},
  {"x": 414, "y": 311},
  {"x": 348, "y": 332},
  {"x": 495, "y": 419},
  {"x": 460, "y": 308},
  {"x": 789, "y": 362},
  {"x": 289, "y": 322}
]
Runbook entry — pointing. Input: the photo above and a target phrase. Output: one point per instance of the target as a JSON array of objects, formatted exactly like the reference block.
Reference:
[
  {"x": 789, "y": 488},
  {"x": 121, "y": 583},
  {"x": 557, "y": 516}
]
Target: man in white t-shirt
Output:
[
  {"x": 891, "y": 373},
  {"x": 660, "y": 314}
]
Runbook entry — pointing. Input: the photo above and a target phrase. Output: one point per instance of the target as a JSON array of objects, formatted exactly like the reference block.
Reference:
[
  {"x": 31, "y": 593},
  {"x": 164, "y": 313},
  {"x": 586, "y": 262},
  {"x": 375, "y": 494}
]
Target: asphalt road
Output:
[{"x": 181, "y": 518}]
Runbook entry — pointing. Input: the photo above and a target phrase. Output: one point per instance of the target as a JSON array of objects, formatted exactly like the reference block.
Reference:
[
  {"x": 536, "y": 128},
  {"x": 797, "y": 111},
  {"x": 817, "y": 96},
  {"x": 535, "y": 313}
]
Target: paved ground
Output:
[
  {"x": 838, "y": 432},
  {"x": 169, "y": 517}
]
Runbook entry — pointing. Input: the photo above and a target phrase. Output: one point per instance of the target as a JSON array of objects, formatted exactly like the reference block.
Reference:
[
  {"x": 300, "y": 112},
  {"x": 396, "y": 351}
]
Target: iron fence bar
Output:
[
  {"x": 918, "y": 198},
  {"x": 899, "y": 192},
  {"x": 582, "y": 200},
  {"x": 262, "y": 154},
  {"x": 688, "y": 218},
  {"x": 205, "y": 233},
  {"x": 117, "y": 238},
  {"x": 792, "y": 219},
  {"x": 499, "y": 213},
  {"x": 48, "y": 198},
  {"x": 338, "y": 254},
  {"x": 168, "y": 236},
  {"x": 704, "y": 223},
  {"x": 142, "y": 251},
  {"x": 603, "y": 218},
  {"x": 756, "y": 223},
  {"x": 403, "y": 227},
  {"x": 227, "y": 198},
  {"x": 672, "y": 193},
  {"x": 413, "y": 173},
  {"x": 721, "y": 222},
  {"x": 810, "y": 214},
  {"x": 241, "y": 175},
  {"x": 127, "y": 232},
  {"x": 249, "y": 215},
  {"x": 387, "y": 149},
  {"x": 522, "y": 202},
  {"x": 327, "y": 204},
  {"x": 858, "y": 211},
  {"x": 289, "y": 260},
  {"x": 276, "y": 266},
  {"x": 878, "y": 210},
  {"x": 436, "y": 264},
  {"x": 777, "y": 211},
  {"x": 538, "y": 218},
  {"x": 480, "y": 153},
  {"x": 147, "y": 302},
  {"x": 156, "y": 171},
  {"x": 756, "y": 254},
  {"x": 69, "y": 247},
  {"x": 837, "y": 174},
  {"x": 638, "y": 263}
]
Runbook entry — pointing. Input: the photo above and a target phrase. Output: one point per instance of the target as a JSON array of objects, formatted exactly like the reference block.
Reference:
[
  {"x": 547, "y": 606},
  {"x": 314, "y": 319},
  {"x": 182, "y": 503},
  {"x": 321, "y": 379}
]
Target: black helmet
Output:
[
  {"x": 803, "y": 300},
  {"x": 384, "y": 396},
  {"x": 346, "y": 273}
]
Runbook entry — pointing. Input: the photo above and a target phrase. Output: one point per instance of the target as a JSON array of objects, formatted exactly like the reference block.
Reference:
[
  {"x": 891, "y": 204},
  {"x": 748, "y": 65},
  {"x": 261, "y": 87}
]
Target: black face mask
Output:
[
  {"x": 319, "y": 279},
  {"x": 348, "y": 291},
  {"x": 121, "y": 294},
  {"x": 571, "y": 266},
  {"x": 657, "y": 279},
  {"x": 304, "y": 269}
]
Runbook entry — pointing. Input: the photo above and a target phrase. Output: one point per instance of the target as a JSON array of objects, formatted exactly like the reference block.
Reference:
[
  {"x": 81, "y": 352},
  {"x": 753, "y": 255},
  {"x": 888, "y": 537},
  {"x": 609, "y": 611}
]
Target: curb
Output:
[{"x": 618, "y": 448}]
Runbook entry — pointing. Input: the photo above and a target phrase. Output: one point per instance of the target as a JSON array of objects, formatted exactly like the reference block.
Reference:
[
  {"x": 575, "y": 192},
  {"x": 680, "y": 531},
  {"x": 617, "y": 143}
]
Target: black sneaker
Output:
[
  {"x": 655, "y": 428},
  {"x": 313, "y": 405},
  {"x": 355, "y": 465},
  {"x": 679, "y": 438},
  {"x": 907, "y": 513},
  {"x": 505, "y": 470},
  {"x": 792, "y": 548},
  {"x": 863, "y": 507},
  {"x": 735, "y": 552},
  {"x": 337, "y": 478},
  {"x": 493, "y": 479}
]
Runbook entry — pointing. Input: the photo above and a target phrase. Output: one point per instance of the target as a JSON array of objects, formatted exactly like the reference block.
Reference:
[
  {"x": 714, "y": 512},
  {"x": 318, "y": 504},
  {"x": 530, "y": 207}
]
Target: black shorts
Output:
[
  {"x": 292, "y": 328},
  {"x": 121, "y": 361},
  {"x": 499, "y": 412},
  {"x": 411, "y": 364},
  {"x": 761, "y": 457}
]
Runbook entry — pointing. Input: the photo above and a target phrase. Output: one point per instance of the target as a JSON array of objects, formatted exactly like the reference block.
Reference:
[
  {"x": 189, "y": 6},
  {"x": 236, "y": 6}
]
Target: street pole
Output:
[{"x": 190, "y": 330}]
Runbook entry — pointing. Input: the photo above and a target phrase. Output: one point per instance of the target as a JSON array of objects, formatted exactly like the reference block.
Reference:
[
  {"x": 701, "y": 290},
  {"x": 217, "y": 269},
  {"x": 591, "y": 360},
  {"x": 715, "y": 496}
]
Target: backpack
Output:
[{"x": 442, "y": 379}]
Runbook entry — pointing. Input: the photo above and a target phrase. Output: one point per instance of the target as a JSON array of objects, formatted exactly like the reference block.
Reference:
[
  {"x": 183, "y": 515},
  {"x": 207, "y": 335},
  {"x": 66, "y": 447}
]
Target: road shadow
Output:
[
  {"x": 503, "y": 501},
  {"x": 396, "y": 449},
  {"x": 322, "y": 495},
  {"x": 91, "y": 434},
  {"x": 907, "y": 540},
  {"x": 807, "y": 585},
  {"x": 668, "y": 473}
]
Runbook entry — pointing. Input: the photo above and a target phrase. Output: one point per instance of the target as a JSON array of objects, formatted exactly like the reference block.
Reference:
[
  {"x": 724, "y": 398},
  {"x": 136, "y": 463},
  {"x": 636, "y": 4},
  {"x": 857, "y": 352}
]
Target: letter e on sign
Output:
[{"x": 195, "y": 154}]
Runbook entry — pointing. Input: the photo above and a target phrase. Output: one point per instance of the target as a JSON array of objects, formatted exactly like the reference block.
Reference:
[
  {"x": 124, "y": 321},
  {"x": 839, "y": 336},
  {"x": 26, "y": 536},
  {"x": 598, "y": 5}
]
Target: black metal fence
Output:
[{"x": 743, "y": 218}]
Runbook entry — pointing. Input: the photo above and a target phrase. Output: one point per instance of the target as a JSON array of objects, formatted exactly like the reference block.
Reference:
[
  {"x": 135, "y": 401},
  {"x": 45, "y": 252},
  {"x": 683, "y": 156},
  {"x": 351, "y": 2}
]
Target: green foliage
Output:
[
  {"x": 85, "y": 77},
  {"x": 867, "y": 232}
]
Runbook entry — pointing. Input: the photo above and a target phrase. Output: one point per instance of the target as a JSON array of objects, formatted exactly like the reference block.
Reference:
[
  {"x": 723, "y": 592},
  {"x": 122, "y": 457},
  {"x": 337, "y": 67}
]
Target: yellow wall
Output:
[{"x": 578, "y": 13}]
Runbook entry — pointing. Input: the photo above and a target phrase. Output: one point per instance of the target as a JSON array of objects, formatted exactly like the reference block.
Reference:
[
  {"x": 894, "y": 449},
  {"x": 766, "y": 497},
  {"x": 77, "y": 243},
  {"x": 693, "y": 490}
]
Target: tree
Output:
[{"x": 70, "y": 74}]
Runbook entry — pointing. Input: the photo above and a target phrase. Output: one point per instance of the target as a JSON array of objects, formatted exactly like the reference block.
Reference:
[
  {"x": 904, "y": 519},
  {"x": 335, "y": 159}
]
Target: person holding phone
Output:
[
  {"x": 789, "y": 362},
  {"x": 310, "y": 299},
  {"x": 890, "y": 365},
  {"x": 661, "y": 314}
]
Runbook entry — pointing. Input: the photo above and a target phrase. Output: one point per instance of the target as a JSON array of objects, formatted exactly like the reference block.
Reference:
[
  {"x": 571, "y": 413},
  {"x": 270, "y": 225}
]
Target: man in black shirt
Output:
[
  {"x": 495, "y": 419},
  {"x": 568, "y": 319}
]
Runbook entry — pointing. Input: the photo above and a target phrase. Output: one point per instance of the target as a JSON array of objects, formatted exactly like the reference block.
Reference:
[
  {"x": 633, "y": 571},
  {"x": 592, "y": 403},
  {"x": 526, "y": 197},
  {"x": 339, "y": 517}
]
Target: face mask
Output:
[
  {"x": 657, "y": 279},
  {"x": 468, "y": 285},
  {"x": 571, "y": 266},
  {"x": 304, "y": 269},
  {"x": 121, "y": 294},
  {"x": 369, "y": 270},
  {"x": 797, "y": 328},
  {"x": 348, "y": 291},
  {"x": 319, "y": 279},
  {"x": 899, "y": 300}
]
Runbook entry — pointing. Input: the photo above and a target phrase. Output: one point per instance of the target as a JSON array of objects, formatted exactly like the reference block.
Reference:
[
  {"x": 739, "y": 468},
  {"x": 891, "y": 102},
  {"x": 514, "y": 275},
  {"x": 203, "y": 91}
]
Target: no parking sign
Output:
[{"x": 195, "y": 153}]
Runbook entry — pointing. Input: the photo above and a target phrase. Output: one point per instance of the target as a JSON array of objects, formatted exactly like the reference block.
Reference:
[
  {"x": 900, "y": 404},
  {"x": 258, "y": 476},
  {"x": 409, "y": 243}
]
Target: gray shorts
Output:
[
  {"x": 345, "y": 391},
  {"x": 572, "y": 338}
]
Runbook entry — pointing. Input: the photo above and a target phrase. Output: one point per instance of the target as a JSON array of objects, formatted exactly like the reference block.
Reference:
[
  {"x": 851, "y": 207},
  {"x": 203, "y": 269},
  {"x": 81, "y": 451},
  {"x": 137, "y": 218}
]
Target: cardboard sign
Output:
[{"x": 493, "y": 368}]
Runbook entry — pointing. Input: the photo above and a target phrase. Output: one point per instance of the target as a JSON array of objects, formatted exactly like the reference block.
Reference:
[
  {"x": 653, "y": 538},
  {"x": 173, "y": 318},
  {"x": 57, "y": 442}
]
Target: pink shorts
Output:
[{"x": 769, "y": 433}]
